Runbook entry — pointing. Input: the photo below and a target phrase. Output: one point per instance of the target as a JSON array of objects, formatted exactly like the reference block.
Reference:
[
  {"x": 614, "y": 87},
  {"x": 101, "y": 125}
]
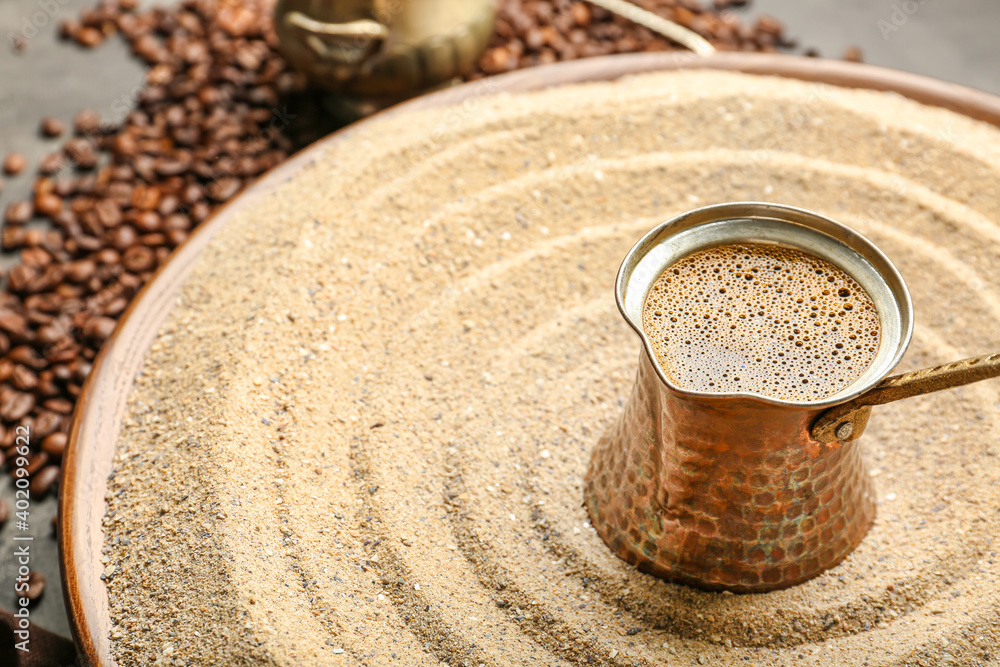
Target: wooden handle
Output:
[{"x": 846, "y": 422}]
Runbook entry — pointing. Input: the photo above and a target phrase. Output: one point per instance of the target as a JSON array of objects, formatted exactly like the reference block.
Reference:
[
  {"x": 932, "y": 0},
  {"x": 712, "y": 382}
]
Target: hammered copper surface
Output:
[{"x": 725, "y": 493}]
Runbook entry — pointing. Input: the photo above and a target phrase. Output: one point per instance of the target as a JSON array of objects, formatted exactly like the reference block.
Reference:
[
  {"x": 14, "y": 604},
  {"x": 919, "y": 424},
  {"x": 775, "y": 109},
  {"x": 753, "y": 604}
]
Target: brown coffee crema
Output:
[{"x": 760, "y": 318}]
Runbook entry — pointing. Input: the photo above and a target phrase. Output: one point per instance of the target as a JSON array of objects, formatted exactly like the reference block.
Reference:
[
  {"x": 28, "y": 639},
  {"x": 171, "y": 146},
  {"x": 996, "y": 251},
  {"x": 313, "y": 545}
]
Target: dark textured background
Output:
[{"x": 953, "y": 40}]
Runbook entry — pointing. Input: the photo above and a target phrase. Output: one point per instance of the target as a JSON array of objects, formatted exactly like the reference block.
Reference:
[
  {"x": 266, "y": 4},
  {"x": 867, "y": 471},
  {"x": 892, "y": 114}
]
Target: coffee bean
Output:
[
  {"x": 108, "y": 213},
  {"x": 24, "y": 379},
  {"x": 88, "y": 37},
  {"x": 46, "y": 424},
  {"x": 175, "y": 237},
  {"x": 148, "y": 221},
  {"x": 15, "y": 404},
  {"x": 36, "y": 462},
  {"x": 18, "y": 212},
  {"x": 51, "y": 164},
  {"x": 14, "y": 164},
  {"x": 26, "y": 355},
  {"x": 12, "y": 238},
  {"x": 138, "y": 259},
  {"x": 81, "y": 369},
  {"x": 96, "y": 328},
  {"x": 13, "y": 323},
  {"x": 82, "y": 152},
  {"x": 43, "y": 481},
  {"x": 145, "y": 197},
  {"x": 59, "y": 405},
  {"x": 49, "y": 334},
  {"x": 116, "y": 306},
  {"x": 52, "y": 127},
  {"x": 68, "y": 28},
  {"x": 4, "y": 510},
  {"x": 48, "y": 205},
  {"x": 107, "y": 256},
  {"x": 36, "y": 258},
  {"x": 19, "y": 277},
  {"x": 36, "y": 583},
  {"x": 80, "y": 271},
  {"x": 122, "y": 238}
]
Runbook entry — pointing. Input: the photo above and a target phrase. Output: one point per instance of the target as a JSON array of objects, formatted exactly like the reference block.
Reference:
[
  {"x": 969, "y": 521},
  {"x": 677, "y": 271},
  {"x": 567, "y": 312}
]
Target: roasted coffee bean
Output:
[
  {"x": 86, "y": 121},
  {"x": 96, "y": 328},
  {"x": 48, "y": 205},
  {"x": 108, "y": 213},
  {"x": 19, "y": 277},
  {"x": 35, "y": 257},
  {"x": 46, "y": 385},
  {"x": 148, "y": 221},
  {"x": 13, "y": 323},
  {"x": 145, "y": 197},
  {"x": 153, "y": 240},
  {"x": 68, "y": 28},
  {"x": 52, "y": 127},
  {"x": 33, "y": 237},
  {"x": 24, "y": 379},
  {"x": 138, "y": 259},
  {"x": 107, "y": 256},
  {"x": 115, "y": 307},
  {"x": 88, "y": 37},
  {"x": 14, "y": 163},
  {"x": 82, "y": 153},
  {"x": 51, "y": 164},
  {"x": 175, "y": 237},
  {"x": 55, "y": 445},
  {"x": 122, "y": 238},
  {"x": 80, "y": 270},
  {"x": 81, "y": 369},
  {"x": 18, "y": 212},
  {"x": 4, "y": 509},
  {"x": 59, "y": 405},
  {"x": 12, "y": 238},
  {"x": 36, "y": 583},
  {"x": 36, "y": 462},
  {"x": 26, "y": 355},
  {"x": 46, "y": 424},
  {"x": 43, "y": 481},
  {"x": 49, "y": 334},
  {"x": 14, "y": 404}
]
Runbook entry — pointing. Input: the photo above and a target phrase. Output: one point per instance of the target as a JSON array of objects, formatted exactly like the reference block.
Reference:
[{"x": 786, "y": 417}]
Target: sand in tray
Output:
[{"x": 360, "y": 437}]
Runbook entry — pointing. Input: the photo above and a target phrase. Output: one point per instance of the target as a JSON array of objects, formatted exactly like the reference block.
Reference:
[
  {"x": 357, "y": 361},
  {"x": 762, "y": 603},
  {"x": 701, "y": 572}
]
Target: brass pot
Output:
[{"x": 383, "y": 51}]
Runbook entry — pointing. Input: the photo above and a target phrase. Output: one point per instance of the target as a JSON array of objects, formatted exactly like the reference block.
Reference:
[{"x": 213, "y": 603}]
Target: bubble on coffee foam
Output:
[{"x": 761, "y": 318}]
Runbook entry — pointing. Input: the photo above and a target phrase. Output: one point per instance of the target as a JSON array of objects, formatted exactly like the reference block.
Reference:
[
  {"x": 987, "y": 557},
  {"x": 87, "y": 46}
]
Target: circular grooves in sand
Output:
[{"x": 462, "y": 354}]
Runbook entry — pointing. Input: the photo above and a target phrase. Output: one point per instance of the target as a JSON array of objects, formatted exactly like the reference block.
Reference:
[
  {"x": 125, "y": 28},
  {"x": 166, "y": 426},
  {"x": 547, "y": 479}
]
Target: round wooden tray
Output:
[{"x": 103, "y": 402}]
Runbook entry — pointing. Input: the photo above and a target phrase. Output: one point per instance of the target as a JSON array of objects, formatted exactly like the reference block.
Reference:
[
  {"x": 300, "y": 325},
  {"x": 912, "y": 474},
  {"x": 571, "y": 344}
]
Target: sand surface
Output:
[{"x": 361, "y": 436}]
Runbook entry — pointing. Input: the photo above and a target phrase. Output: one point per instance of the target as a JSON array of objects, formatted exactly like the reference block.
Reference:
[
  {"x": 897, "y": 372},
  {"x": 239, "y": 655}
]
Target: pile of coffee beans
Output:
[
  {"x": 539, "y": 32},
  {"x": 220, "y": 107},
  {"x": 217, "y": 111}
]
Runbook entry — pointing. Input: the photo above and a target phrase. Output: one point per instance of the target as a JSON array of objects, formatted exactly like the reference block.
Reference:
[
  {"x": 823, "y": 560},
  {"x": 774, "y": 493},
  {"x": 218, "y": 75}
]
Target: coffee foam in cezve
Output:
[{"x": 761, "y": 318}]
